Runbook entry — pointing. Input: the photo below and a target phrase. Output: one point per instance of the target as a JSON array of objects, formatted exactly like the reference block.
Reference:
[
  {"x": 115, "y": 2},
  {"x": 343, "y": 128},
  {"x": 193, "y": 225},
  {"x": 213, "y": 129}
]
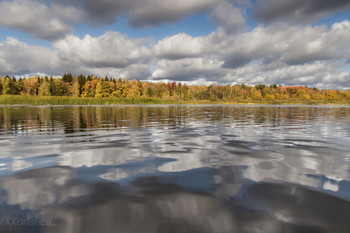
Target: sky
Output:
[{"x": 284, "y": 42}]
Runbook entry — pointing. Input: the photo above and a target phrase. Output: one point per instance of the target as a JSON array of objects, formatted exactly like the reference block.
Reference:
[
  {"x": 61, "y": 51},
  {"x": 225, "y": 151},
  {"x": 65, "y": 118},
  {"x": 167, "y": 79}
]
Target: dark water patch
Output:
[{"x": 158, "y": 204}]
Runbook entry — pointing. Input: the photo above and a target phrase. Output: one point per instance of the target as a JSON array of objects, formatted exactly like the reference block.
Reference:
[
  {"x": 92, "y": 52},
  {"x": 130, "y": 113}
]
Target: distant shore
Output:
[{"x": 65, "y": 100}]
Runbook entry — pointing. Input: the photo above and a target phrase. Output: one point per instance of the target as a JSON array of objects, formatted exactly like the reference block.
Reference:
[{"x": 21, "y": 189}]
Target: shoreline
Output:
[
  {"x": 12, "y": 100},
  {"x": 180, "y": 105}
]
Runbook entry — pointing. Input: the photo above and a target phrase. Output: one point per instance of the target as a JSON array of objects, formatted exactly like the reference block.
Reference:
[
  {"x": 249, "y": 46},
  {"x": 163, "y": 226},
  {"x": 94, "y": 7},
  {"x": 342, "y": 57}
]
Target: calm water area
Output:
[{"x": 169, "y": 169}]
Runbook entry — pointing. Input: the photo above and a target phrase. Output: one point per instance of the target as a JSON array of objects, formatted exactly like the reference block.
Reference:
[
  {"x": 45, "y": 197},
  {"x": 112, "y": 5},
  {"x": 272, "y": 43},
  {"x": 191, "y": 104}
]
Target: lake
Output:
[{"x": 163, "y": 169}]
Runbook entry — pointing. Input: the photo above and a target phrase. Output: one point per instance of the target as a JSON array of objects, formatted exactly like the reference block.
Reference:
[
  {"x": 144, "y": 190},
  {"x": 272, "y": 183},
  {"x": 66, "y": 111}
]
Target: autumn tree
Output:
[
  {"x": 119, "y": 88},
  {"x": 255, "y": 93},
  {"x": 6, "y": 85},
  {"x": 89, "y": 88},
  {"x": 75, "y": 88},
  {"x": 81, "y": 81},
  {"x": 103, "y": 89},
  {"x": 187, "y": 95},
  {"x": 134, "y": 88},
  {"x": 60, "y": 88},
  {"x": 161, "y": 90},
  {"x": 332, "y": 95},
  {"x": 172, "y": 88},
  {"x": 44, "y": 89},
  {"x": 31, "y": 85},
  {"x": 200, "y": 92}
]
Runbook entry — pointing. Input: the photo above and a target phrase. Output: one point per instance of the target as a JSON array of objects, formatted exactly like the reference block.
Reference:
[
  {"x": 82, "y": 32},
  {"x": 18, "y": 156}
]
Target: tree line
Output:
[{"x": 97, "y": 87}]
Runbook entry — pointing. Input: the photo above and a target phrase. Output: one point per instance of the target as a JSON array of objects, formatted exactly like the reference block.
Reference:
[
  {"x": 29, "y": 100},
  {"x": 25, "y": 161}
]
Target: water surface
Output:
[{"x": 175, "y": 168}]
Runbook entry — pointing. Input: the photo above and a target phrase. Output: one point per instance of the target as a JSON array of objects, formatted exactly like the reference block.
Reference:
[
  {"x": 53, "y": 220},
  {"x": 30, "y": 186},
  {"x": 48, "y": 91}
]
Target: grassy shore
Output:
[{"x": 64, "y": 100}]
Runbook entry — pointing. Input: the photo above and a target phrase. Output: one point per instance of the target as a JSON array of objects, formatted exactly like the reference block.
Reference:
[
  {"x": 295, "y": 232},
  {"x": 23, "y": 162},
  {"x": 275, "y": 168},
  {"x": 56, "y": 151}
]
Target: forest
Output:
[{"x": 95, "y": 87}]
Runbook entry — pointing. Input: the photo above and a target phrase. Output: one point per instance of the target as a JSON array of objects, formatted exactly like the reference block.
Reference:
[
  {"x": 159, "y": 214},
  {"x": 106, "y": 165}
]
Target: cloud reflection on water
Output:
[
  {"x": 177, "y": 168},
  {"x": 155, "y": 204}
]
